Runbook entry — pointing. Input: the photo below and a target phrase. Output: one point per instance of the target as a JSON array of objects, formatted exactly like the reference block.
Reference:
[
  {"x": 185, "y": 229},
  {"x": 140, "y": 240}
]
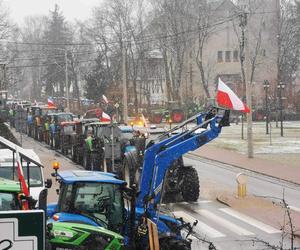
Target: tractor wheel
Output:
[
  {"x": 177, "y": 116},
  {"x": 169, "y": 243},
  {"x": 74, "y": 154},
  {"x": 86, "y": 162},
  {"x": 130, "y": 171},
  {"x": 190, "y": 187},
  {"x": 156, "y": 118}
]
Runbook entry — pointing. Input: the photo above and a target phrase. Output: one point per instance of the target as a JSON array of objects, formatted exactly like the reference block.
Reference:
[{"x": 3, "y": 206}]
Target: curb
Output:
[{"x": 254, "y": 171}]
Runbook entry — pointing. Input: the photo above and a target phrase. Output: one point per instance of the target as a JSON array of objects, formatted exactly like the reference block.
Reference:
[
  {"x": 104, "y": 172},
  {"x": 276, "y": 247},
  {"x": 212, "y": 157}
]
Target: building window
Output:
[
  {"x": 220, "y": 56},
  {"x": 235, "y": 56},
  {"x": 227, "y": 56}
]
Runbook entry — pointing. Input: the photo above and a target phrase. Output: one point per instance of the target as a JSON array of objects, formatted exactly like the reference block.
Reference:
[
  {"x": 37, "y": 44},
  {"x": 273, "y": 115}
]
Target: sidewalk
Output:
[{"x": 267, "y": 167}]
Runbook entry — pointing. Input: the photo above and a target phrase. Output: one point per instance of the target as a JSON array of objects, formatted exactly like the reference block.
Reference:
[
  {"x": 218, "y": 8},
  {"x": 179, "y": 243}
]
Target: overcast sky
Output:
[{"x": 72, "y": 9}]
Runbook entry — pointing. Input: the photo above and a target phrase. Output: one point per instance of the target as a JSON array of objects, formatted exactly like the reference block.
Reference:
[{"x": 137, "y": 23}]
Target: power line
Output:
[
  {"x": 42, "y": 65},
  {"x": 149, "y": 38}
]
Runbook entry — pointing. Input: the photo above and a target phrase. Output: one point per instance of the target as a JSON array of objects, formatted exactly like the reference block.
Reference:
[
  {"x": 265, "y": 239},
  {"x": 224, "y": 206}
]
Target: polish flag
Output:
[
  {"x": 22, "y": 181},
  {"x": 105, "y": 99},
  {"x": 105, "y": 118},
  {"x": 50, "y": 103},
  {"x": 228, "y": 99}
]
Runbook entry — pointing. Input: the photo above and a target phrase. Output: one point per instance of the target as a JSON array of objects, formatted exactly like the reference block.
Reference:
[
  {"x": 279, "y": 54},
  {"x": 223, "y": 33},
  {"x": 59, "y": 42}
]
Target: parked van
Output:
[{"x": 31, "y": 164}]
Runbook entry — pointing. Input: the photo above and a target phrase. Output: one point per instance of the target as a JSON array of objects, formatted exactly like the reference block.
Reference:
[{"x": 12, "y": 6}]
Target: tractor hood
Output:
[
  {"x": 68, "y": 235},
  {"x": 72, "y": 218}
]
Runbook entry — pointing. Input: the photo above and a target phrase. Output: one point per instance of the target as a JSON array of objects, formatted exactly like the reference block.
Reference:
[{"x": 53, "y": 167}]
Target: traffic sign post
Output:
[{"x": 22, "y": 230}]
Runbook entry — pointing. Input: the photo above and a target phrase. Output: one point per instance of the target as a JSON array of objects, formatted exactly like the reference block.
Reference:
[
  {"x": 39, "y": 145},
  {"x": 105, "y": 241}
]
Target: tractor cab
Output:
[
  {"x": 102, "y": 147},
  {"x": 39, "y": 113},
  {"x": 9, "y": 195},
  {"x": 89, "y": 197},
  {"x": 32, "y": 170}
]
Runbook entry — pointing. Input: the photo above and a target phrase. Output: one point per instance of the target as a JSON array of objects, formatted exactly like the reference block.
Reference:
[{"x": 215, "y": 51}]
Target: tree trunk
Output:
[
  {"x": 168, "y": 80},
  {"x": 201, "y": 68}
]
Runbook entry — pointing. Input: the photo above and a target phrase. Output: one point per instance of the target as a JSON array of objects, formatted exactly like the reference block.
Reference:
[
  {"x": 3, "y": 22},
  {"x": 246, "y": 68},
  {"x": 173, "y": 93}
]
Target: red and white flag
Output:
[
  {"x": 22, "y": 180},
  {"x": 144, "y": 121},
  {"x": 50, "y": 103},
  {"x": 228, "y": 99},
  {"x": 105, "y": 99},
  {"x": 105, "y": 118}
]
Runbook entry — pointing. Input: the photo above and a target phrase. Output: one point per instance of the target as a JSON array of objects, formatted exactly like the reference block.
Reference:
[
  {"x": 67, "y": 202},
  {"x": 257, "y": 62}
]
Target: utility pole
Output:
[
  {"x": 266, "y": 87},
  {"x": 281, "y": 87},
  {"x": 245, "y": 40},
  {"x": 125, "y": 108},
  {"x": 67, "y": 81},
  {"x": 278, "y": 55}
]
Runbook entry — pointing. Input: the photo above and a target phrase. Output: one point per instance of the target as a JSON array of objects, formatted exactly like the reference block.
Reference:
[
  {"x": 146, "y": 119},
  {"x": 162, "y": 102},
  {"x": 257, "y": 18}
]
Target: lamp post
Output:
[
  {"x": 66, "y": 75},
  {"x": 280, "y": 87},
  {"x": 266, "y": 87}
]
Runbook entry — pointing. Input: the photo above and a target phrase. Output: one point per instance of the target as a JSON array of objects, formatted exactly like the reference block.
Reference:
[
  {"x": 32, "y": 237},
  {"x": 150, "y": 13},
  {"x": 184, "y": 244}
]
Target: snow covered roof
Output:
[{"x": 28, "y": 154}]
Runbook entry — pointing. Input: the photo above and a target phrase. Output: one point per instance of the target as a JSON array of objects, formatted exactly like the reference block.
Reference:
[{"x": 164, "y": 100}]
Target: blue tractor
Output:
[{"x": 102, "y": 200}]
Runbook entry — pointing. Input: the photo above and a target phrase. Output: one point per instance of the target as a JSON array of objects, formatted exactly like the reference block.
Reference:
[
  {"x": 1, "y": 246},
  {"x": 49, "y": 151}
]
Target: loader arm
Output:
[{"x": 158, "y": 158}]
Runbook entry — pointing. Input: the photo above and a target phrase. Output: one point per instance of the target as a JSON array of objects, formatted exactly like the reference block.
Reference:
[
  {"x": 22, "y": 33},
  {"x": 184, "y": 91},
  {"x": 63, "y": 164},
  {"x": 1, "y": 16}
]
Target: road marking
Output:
[
  {"x": 251, "y": 221},
  {"x": 196, "y": 202},
  {"x": 204, "y": 201},
  {"x": 200, "y": 228},
  {"x": 294, "y": 208},
  {"x": 225, "y": 223}
]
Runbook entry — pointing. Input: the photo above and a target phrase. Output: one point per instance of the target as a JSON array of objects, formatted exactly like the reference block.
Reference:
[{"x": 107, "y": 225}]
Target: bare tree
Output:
[
  {"x": 288, "y": 57},
  {"x": 171, "y": 26},
  {"x": 31, "y": 53},
  {"x": 204, "y": 29},
  {"x": 5, "y": 25}
]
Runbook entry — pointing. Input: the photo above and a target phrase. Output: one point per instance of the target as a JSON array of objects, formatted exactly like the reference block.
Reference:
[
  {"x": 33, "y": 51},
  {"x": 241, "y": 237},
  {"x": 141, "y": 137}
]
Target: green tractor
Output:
[
  {"x": 10, "y": 195},
  {"x": 172, "y": 114},
  {"x": 67, "y": 235}
]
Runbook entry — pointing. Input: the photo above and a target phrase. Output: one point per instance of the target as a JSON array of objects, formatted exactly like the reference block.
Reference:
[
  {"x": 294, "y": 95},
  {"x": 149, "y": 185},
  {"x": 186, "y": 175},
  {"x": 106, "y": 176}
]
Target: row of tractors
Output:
[
  {"x": 90, "y": 212},
  {"x": 102, "y": 146}
]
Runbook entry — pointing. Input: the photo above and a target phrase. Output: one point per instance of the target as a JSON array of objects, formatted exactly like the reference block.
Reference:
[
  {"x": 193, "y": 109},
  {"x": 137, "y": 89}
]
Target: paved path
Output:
[{"x": 267, "y": 167}]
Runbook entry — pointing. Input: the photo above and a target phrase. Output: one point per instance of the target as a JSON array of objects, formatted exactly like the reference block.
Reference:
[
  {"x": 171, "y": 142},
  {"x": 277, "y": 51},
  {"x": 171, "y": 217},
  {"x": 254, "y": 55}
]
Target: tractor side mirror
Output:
[
  {"x": 48, "y": 183},
  {"x": 43, "y": 199}
]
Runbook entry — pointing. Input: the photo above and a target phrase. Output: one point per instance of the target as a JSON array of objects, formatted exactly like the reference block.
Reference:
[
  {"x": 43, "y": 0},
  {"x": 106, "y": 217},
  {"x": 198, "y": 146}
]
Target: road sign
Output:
[
  {"x": 22, "y": 230},
  {"x": 153, "y": 235}
]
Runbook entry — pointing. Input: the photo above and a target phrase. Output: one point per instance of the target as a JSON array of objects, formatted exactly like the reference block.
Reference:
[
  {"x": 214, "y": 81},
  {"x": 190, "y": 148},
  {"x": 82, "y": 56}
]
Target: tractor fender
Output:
[
  {"x": 51, "y": 209},
  {"x": 131, "y": 158}
]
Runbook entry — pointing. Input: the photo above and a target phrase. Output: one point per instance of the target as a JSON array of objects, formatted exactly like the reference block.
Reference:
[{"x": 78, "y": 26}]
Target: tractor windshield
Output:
[
  {"x": 64, "y": 118},
  {"x": 8, "y": 201},
  {"x": 102, "y": 202},
  {"x": 36, "y": 178}
]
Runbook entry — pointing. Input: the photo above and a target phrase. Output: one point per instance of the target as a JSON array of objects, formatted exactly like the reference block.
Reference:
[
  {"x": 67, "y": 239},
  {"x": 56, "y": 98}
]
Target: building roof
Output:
[
  {"x": 28, "y": 154},
  {"x": 72, "y": 176}
]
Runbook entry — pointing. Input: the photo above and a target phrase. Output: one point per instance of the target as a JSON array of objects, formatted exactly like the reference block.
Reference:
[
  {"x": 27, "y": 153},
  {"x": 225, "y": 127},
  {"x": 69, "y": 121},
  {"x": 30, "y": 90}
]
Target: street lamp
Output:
[
  {"x": 281, "y": 87},
  {"x": 266, "y": 87}
]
